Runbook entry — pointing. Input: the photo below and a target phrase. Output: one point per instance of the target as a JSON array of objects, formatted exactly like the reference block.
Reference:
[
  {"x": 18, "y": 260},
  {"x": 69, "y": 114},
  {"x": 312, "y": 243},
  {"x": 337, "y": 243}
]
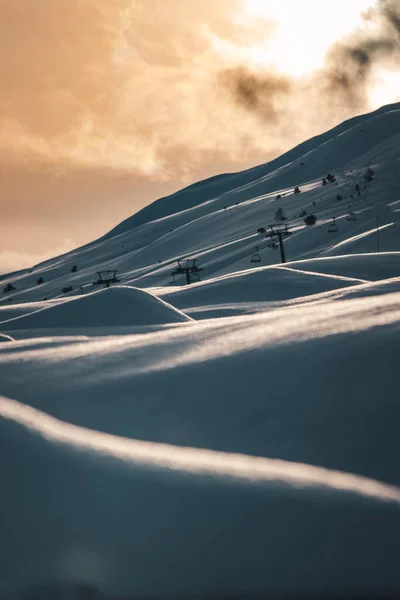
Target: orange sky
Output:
[{"x": 106, "y": 106}]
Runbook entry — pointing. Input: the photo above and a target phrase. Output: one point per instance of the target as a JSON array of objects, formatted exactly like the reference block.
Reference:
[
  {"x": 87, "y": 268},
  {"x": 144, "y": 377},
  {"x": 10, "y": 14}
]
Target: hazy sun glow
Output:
[
  {"x": 305, "y": 30},
  {"x": 386, "y": 89},
  {"x": 127, "y": 100}
]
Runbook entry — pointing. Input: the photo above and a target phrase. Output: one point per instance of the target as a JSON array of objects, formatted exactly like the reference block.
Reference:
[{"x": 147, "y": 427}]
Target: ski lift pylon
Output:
[{"x": 106, "y": 277}]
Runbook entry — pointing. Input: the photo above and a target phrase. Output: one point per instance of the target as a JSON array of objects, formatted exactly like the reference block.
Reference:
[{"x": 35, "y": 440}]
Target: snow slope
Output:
[
  {"x": 302, "y": 383},
  {"x": 220, "y": 228},
  {"x": 265, "y": 284},
  {"x": 5, "y": 338},
  {"x": 372, "y": 267},
  {"x": 235, "y": 436},
  {"x": 350, "y": 140},
  {"x": 150, "y": 520},
  {"x": 113, "y": 512},
  {"x": 113, "y": 307},
  {"x": 10, "y": 311}
]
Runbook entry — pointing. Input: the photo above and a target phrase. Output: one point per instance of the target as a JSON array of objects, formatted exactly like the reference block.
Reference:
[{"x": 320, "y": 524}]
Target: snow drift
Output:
[
  {"x": 5, "y": 338},
  {"x": 161, "y": 521},
  {"x": 115, "y": 307},
  {"x": 313, "y": 383},
  {"x": 265, "y": 284}
]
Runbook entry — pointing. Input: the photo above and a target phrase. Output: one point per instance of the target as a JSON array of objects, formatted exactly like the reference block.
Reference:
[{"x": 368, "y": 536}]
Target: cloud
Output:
[
  {"x": 108, "y": 105},
  {"x": 263, "y": 95},
  {"x": 134, "y": 86},
  {"x": 336, "y": 91},
  {"x": 351, "y": 63},
  {"x": 116, "y": 85},
  {"x": 14, "y": 261}
]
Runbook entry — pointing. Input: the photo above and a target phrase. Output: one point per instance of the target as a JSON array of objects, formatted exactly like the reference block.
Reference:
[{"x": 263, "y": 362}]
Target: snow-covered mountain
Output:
[{"x": 234, "y": 435}]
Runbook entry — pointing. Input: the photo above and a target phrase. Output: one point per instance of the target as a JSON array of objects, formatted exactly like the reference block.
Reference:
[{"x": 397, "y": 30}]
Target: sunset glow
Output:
[
  {"x": 130, "y": 100},
  {"x": 305, "y": 30}
]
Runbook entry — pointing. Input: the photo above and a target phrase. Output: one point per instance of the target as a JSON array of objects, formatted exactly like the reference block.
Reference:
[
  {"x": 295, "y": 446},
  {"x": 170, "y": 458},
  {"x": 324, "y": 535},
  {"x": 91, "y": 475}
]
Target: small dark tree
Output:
[
  {"x": 331, "y": 178},
  {"x": 310, "y": 220},
  {"x": 297, "y": 190},
  {"x": 67, "y": 289},
  {"x": 8, "y": 288},
  {"x": 40, "y": 280},
  {"x": 261, "y": 230},
  {"x": 339, "y": 197},
  {"x": 278, "y": 197},
  {"x": 368, "y": 175},
  {"x": 357, "y": 187},
  {"x": 324, "y": 181},
  {"x": 74, "y": 269}
]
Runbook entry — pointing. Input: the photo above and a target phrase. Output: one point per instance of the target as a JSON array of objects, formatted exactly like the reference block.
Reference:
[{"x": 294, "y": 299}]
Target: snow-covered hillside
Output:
[{"x": 232, "y": 436}]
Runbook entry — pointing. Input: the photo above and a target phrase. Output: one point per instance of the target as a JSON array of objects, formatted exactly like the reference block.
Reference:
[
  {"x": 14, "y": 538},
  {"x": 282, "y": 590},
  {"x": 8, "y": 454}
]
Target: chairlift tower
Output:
[
  {"x": 107, "y": 277},
  {"x": 188, "y": 267},
  {"x": 278, "y": 231}
]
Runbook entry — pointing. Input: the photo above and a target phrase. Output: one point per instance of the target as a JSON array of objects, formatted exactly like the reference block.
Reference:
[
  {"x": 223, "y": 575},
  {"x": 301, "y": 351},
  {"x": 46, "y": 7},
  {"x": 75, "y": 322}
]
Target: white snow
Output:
[
  {"x": 266, "y": 284},
  {"x": 113, "y": 307},
  {"x": 5, "y": 338},
  {"x": 233, "y": 436},
  {"x": 161, "y": 521}
]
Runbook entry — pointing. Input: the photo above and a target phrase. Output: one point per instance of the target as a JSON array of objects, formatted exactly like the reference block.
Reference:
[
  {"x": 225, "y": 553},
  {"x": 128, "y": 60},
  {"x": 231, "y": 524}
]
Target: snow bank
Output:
[
  {"x": 265, "y": 284},
  {"x": 309, "y": 383},
  {"x": 10, "y": 311},
  {"x": 160, "y": 521},
  {"x": 5, "y": 338},
  {"x": 115, "y": 306},
  {"x": 365, "y": 290},
  {"x": 370, "y": 267}
]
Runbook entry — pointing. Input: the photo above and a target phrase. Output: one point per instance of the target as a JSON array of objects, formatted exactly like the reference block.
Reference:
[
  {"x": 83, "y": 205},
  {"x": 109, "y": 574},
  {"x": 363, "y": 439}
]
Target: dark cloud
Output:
[
  {"x": 351, "y": 63},
  {"x": 390, "y": 11},
  {"x": 340, "y": 87},
  {"x": 263, "y": 94}
]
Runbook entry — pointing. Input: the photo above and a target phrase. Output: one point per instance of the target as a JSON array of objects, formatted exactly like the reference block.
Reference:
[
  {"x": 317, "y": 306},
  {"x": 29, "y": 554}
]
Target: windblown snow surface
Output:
[{"x": 237, "y": 437}]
